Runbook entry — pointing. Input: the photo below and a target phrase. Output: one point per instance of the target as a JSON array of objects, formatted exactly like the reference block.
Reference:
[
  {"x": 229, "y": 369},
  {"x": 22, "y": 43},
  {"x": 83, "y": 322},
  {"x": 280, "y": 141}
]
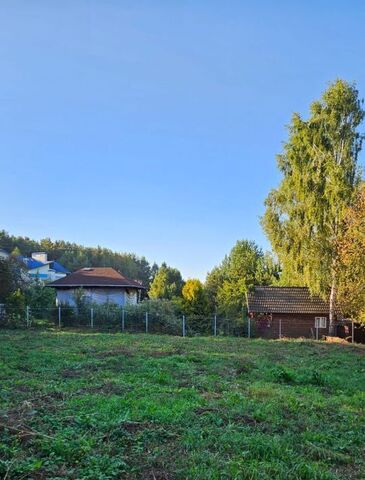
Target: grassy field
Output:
[{"x": 104, "y": 406}]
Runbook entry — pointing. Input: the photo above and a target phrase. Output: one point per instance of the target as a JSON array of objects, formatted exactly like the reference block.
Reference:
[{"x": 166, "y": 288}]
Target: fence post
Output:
[
  {"x": 59, "y": 316},
  {"x": 91, "y": 317},
  {"x": 123, "y": 324},
  {"x": 183, "y": 326},
  {"x": 27, "y": 316},
  {"x": 146, "y": 322},
  {"x": 249, "y": 327},
  {"x": 352, "y": 332},
  {"x": 279, "y": 327},
  {"x": 215, "y": 325}
]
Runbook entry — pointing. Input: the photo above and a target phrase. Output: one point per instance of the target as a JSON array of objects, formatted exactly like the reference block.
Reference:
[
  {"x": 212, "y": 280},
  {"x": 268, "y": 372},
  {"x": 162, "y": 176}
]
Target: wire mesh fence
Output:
[
  {"x": 118, "y": 319},
  {"x": 112, "y": 318}
]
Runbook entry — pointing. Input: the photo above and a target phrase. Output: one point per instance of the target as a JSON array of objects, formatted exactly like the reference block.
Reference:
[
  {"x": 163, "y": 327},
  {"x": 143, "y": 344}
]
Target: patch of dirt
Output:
[
  {"x": 50, "y": 396},
  {"x": 211, "y": 395},
  {"x": 185, "y": 384},
  {"x": 245, "y": 419},
  {"x": 71, "y": 373},
  {"x": 133, "y": 427},
  {"x": 202, "y": 410},
  {"x": 195, "y": 359},
  {"x": 80, "y": 371},
  {"x": 23, "y": 388},
  {"x": 39, "y": 475},
  {"x": 163, "y": 353},
  {"x": 242, "y": 370},
  {"x": 156, "y": 474},
  {"x": 16, "y": 419},
  {"x": 108, "y": 388},
  {"x": 124, "y": 351},
  {"x": 245, "y": 368},
  {"x": 351, "y": 471}
]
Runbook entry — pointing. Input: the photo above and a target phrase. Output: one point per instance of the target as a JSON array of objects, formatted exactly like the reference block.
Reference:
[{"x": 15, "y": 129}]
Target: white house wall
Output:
[
  {"x": 119, "y": 296},
  {"x": 131, "y": 297},
  {"x": 45, "y": 273},
  {"x": 41, "y": 273},
  {"x": 53, "y": 275}
]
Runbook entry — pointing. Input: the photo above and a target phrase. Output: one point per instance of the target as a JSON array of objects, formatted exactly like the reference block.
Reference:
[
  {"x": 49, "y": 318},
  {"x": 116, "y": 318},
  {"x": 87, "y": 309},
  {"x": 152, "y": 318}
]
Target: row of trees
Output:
[
  {"x": 74, "y": 256},
  {"x": 223, "y": 292},
  {"x": 226, "y": 286}
]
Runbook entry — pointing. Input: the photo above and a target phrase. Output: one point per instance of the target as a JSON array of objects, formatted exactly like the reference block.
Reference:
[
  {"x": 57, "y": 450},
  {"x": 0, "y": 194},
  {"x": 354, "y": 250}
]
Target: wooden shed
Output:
[{"x": 288, "y": 312}]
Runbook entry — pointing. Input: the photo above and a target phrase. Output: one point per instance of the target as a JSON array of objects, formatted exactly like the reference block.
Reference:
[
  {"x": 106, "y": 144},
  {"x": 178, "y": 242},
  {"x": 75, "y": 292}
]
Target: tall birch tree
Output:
[{"x": 319, "y": 164}]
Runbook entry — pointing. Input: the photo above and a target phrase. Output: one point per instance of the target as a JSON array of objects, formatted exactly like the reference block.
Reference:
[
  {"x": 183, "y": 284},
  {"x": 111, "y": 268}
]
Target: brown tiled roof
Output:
[
  {"x": 95, "y": 277},
  {"x": 285, "y": 300}
]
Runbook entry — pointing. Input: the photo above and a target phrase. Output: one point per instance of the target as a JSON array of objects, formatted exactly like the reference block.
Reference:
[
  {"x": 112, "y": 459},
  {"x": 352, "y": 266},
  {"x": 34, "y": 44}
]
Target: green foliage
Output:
[
  {"x": 166, "y": 284},
  {"x": 16, "y": 300},
  {"x": 245, "y": 266},
  {"x": 102, "y": 406},
  {"x": 304, "y": 215},
  {"x": 213, "y": 283},
  {"x": 351, "y": 251},
  {"x": 195, "y": 307},
  {"x": 37, "y": 296},
  {"x": 74, "y": 256},
  {"x": 195, "y": 300},
  {"x": 16, "y": 252},
  {"x": 14, "y": 314},
  {"x": 165, "y": 316},
  {"x": 10, "y": 278}
]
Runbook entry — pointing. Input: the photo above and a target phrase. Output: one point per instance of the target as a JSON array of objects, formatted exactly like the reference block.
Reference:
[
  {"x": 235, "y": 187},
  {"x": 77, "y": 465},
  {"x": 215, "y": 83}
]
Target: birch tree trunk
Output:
[{"x": 332, "y": 308}]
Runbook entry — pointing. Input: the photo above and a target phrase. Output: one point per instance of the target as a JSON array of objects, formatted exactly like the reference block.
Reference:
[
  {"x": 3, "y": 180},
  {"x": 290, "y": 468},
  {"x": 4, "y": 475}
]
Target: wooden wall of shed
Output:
[{"x": 292, "y": 325}]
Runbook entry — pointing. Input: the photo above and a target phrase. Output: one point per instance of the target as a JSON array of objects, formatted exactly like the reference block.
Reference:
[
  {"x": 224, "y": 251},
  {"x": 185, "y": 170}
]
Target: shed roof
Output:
[
  {"x": 95, "y": 277},
  {"x": 285, "y": 300}
]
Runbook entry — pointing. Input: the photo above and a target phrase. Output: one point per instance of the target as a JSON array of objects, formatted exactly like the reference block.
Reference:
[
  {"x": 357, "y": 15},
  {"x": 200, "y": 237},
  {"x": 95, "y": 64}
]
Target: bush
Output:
[
  {"x": 39, "y": 297},
  {"x": 12, "y": 318},
  {"x": 164, "y": 316}
]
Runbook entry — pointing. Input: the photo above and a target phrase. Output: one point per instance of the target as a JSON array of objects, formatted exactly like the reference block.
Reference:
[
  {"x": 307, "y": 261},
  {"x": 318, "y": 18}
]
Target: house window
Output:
[{"x": 320, "y": 322}]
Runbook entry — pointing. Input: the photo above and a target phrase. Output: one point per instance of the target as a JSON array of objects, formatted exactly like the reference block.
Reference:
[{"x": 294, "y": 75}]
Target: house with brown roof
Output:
[
  {"x": 288, "y": 312},
  {"x": 99, "y": 285}
]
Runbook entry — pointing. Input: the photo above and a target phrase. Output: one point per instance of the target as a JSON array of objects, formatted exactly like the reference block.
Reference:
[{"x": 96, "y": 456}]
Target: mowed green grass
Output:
[{"x": 113, "y": 406}]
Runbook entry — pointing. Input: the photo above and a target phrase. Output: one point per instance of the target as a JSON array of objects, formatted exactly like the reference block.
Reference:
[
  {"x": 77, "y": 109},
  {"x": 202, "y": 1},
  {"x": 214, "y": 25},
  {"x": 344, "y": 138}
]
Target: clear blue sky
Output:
[{"x": 152, "y": 126}]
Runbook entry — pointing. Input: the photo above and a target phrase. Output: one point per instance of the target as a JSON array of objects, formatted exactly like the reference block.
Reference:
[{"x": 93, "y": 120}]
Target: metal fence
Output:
[{"x": 116, "y": 319}]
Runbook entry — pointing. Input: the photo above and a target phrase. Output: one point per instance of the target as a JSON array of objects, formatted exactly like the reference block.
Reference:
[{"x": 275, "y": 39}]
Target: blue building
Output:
[{"x": 39, "y": 267}]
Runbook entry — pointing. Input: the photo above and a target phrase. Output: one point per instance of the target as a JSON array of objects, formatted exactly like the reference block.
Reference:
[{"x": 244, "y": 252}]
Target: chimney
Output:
[{"x": 40, "y": 256}]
